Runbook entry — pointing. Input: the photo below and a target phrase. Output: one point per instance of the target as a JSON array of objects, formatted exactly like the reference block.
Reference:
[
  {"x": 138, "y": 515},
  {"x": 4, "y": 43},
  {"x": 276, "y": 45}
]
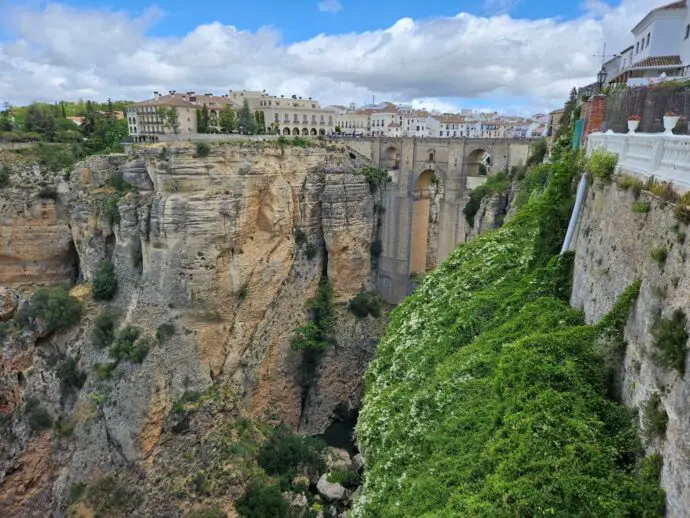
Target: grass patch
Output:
[
  {"x": 641, "y": 207},
  {"x": 660, "y": 255},
  {"x": 629, "y": 183},
  {"x": 670, "y": 341}
]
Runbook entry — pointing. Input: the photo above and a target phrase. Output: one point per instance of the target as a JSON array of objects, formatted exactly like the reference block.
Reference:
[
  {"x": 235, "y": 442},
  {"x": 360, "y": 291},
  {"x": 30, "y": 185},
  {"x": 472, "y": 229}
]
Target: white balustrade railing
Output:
[{"x": 666, "y": 157}]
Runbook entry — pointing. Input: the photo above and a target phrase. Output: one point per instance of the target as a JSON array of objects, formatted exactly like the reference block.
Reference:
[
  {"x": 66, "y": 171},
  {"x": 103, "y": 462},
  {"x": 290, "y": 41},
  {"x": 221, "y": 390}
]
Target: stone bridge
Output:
[{"x": 430, "y": 183}]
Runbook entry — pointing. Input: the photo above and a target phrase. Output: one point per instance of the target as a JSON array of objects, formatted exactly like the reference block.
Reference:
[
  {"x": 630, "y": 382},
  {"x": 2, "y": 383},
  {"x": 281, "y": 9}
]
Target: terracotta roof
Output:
[{"x": 659, "y": 61}]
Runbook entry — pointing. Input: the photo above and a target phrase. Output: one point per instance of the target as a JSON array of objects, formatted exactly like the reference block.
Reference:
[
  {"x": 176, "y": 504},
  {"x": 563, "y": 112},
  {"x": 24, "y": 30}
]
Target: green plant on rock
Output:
[
  {"x": 365, "y": 304},
  {"x": 376, "y": 248},
  {"x": 4, "y": 176},
  {"x": 111, "y": 210},
  {"x": 654, "y": 418},
  {"x": 285, "y": 455},
  {"x": 103, "y": 329},
  {"x": 70, "y": 375},
  {"x": 311, "y": 250},
  {"x": 641, "y": 207},
  {"x": 129, "y": 346},
  {"x": 207, "y": 512},
  {"x": 48, "y": 193},
  {"x": 105, "y": 281},
  {"x": 660, "y": 255},
  {"x": 670, "y": 340},
  {"x": 261, "y": 501},
  {"x": 602, "y": 164},
  {"x": 202, "y": 150},
  {"x": 318, "y": 333},
  {"x": 165, "y": 332},
  {"x": 37, "y": 416},
  {"x": 345, "y": 477},
  {"x": 52, "y": 309},
  {"x": 375, "y": 177},
  {"x": 630, "y": 183},
  {"x": 300, "y": 237},
  {"x": 495, "y": 184},
  {"x": 682, "y": 214},
  {"x": 109, "y": 496}
]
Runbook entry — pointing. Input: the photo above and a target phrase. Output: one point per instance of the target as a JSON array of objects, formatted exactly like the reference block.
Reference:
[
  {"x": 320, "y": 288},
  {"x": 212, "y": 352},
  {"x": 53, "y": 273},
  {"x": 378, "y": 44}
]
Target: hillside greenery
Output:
[{"x": 488, "y": 394}]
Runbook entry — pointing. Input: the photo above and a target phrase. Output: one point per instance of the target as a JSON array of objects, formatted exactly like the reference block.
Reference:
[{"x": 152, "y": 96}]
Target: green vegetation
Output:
[
  {"x": 366, "y": 304},
  {"x": 51, "y": 309},
  {"x": 70, "y": 375},
  {"x": 189, "y": 397},
  {"x": 36, "y": 415},
  {"x": 682, "y": 214},
  {"x": 246, "y": 123},
  {"x": 488, "y": 396},
  {"x": 104, "y": 281},
  {"x": 103, "y": 329},
  {"x": 318, "y": 333},
  {"x": 111, "y": 211},
  {"x": 103, "y": 371},
  {"x": 626, "y": 183},
  {"x": 495, "y": 184},
  {"x": 670, "y": 341},
  {"x": 110, "y": 497},
  {"x": 300, "y": 237},
  {"x": 640, "y": 207},
  {"x": 4, "y": 176},
  {"x": 660, "y": 255},
  {"x": 207, "y": 512},
  {"x": 539, "y": 151},
  {"x": 76, "y": 491},
  {"x": 285, "y": 455},
  {"x": 261, "y": 501},
  {"x": 375, "y": 177},
  {"x": 346, "y": 478},
  {"x": 129, "y": 346},
  {"x": 48, "y": 193},
  {"x": 654, "y": 418},
  {"x": 202, "y": 150},
  {"x": 602, "y": 164},
  {"x": 165, "y": 332}
]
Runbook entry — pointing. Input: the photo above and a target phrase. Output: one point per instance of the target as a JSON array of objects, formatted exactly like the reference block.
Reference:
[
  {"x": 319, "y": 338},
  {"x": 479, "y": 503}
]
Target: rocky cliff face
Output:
[
  {"x": 206, "y": 249},
  {"x": 616, "y": 246}
]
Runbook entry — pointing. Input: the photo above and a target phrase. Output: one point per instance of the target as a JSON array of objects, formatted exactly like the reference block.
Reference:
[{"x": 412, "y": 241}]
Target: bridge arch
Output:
[
  {"x": 421, "y": 204},
  {"x": 391, "y": 158},
  {"x": 474, "y": 161}
]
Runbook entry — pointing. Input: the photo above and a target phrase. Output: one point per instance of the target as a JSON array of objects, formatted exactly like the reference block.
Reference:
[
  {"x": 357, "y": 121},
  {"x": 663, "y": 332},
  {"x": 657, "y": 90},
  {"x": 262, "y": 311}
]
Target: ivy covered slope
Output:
[{"x": 488, "y": 395}]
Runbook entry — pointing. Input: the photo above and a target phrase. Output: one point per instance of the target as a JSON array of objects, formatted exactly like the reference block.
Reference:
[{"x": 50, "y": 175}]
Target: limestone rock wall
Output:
[
  {"x": 206, "y": 245},
  {"x": 613, "y": 249}
]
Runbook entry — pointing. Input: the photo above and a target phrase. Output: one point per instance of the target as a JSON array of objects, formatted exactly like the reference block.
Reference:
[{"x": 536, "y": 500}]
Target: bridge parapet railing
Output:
[{"x": 666, "y": 157}]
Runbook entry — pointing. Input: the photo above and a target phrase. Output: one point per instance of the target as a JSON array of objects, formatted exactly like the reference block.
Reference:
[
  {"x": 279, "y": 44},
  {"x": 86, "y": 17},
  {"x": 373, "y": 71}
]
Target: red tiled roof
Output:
[{"x": 659, "y": 61}]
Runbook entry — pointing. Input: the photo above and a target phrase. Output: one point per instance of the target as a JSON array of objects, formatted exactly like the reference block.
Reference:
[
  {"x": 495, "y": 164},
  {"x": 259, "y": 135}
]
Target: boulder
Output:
[
  {"x": 329, "y": 490},
  {"x": 298, "y": 503},
  {"x": 8, "y": 303},
  {"x": 336, "y": 459},
  {"x": 136, "y": 174},
  {"x": 358, "y": 462}
]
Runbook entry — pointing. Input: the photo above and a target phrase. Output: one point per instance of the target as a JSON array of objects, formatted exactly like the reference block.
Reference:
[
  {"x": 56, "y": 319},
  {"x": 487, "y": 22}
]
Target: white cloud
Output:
[
  {"x": 330, "y": 6},
  {"x": 500, "y": 6},
  {"x": 66, "y": 53}
]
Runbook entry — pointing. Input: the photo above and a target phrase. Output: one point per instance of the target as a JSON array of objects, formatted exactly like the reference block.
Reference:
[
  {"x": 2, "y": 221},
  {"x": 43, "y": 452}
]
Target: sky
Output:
[{"x": 514, "y": 56}]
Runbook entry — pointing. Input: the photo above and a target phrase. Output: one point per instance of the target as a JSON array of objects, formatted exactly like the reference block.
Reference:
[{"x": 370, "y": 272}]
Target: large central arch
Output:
[
  {"x": 421, "y": 203},
  {"x": 475, "y": 160}
]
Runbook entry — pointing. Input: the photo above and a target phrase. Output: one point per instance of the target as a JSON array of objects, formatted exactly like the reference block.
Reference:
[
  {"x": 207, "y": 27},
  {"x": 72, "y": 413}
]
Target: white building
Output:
[{"x": 417, "y": 124}]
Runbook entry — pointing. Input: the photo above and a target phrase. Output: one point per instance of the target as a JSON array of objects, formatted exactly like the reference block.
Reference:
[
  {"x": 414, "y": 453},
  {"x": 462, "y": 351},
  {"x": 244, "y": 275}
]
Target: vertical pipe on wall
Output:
[{"x": 579, "y": 200}]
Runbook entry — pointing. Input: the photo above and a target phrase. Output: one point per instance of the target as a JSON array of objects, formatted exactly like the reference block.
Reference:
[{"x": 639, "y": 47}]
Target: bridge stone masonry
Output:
[{"x": 430, "y": 181}]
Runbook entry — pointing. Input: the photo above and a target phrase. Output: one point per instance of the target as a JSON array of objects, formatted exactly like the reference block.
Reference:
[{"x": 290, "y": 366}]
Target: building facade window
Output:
[
  {"x": 649, "y": 35},
  {"x": 687, "y": 31}
]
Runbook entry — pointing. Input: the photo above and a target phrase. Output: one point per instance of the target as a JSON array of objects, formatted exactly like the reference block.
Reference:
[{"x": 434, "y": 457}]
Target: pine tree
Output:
[
  {"x": 228, "y": 121},
  {"x": 246, "y": 124},
  {"x": 202, "y": 119}
]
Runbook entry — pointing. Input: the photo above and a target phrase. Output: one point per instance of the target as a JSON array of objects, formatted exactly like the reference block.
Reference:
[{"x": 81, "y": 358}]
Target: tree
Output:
[
  {"x": 228, "y": 122},
  {"x": 105, "y": 282},
  {"x": 202, "y": 119},
  {"x": 169, "y": 117},
  {"x": 568, "y": 111},
  {"x": 260, "y": 122},
  {"x": 246, "y": 124}
]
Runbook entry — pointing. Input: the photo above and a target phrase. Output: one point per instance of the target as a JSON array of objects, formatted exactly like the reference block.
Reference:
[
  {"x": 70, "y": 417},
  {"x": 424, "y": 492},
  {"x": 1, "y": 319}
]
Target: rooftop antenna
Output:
[{"x": 603, "y": 56}]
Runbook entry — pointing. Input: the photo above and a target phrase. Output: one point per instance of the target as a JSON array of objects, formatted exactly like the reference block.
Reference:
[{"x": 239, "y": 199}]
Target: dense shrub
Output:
[
  {"x": 53, "y": 309},
  {"x": 129, "y": 347},
  {"x": 670, "y": 340},
  {"x": 659, "y": 255},
  {"x": 346, "y": 478},
  {"x": 202, "y": 150},
  {"x": 262, "y": 501},
  {"x": 641, "y": 207},
  {"x": 654, "y": 418},
  {"x": 70, "y": 375},
  {"x": 4, "y": 176},
  {"x": 103, "y": 329},
  {"x": 208, "y": 512},
  {"x": 110, "y": 497},
  {"x": 165, "y": 331},
  {"x": 300, "y": 142},
  {"x": 464, "y": 402},
  {"x": 318, "y": 333},
  {"x": 285, "y": 455},
  {"x": 366, "y": 304},
  {"x": 117, "y": 182},
  {"x": 36, "y": 415},
  {"x": 539, "y": 150},
  {"x": 375, "y": 177},
  {"x": 105, "y": 282},
  {"x": 111, "y": 210},
  {"x": 602, "y": 164}
]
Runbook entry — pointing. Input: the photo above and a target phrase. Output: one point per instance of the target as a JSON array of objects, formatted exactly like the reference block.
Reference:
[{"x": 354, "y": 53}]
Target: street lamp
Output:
[{"x": 601, "y": 78}]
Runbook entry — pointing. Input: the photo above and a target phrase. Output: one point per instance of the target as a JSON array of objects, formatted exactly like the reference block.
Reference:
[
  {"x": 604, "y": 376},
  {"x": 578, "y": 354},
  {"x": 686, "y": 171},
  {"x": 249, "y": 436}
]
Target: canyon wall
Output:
[
  {"x": 614, "y": 247},
  {"x": 225, "y": 250}
]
